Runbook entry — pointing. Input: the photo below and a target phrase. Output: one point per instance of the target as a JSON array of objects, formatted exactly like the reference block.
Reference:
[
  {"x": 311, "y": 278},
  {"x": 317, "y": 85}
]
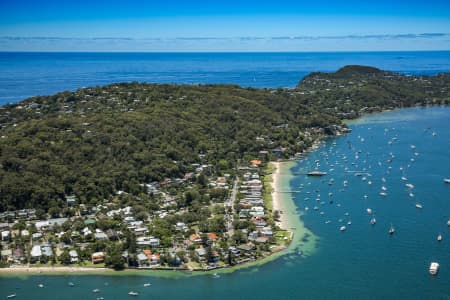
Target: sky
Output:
[{"x": 196, "y": 26}]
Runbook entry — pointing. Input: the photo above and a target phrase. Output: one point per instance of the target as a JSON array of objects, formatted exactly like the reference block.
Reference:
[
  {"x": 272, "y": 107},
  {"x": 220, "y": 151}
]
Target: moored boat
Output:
[
  {"x": 373, "y": 221},
  {"x": 419, "y": 205},
  {"x": 446, "y": 180},
  {"x": 434, "y": 268},
  {"x": 316, "y": 173},
  {"x": 343, "y": 228},
  {"x": 439, "y": 237},
  {"x": 133, "y": 293},
  {"x": 391, "y": 230},
  {"x": 11, "y": 296}
]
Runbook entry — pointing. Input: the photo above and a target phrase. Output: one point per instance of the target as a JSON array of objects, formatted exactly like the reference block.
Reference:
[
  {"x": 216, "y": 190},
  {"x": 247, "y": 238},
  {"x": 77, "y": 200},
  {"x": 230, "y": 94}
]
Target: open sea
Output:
[
  {"x": 29, "y": 74},
  {"x": 362, "y": 262}
]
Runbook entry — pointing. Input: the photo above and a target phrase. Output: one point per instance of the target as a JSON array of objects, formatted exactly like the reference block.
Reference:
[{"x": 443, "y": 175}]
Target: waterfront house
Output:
[
  {"x": 142, "y": 259},
  {"x": 36, "y": 252},
  {"x": 98, "y": 257},
  {"x": 6, "y": 254},
  {"x": 73, "y": 256}
]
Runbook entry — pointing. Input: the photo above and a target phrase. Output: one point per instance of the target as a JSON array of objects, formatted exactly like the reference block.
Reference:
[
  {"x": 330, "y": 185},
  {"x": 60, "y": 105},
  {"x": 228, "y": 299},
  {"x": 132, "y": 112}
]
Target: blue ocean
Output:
[
  {"x": 402, "y": 153},
  {"x": 24, "y": 75}
]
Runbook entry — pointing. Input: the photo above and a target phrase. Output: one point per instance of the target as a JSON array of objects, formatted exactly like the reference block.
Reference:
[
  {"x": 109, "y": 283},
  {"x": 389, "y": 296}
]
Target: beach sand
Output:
[
  {"x": 277, "y": 199},
  {"x": 61, "y": 269}
]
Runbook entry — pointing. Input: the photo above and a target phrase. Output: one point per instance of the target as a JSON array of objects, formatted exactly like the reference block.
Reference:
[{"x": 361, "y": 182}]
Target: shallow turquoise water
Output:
[{"x": 363, "y": 262}]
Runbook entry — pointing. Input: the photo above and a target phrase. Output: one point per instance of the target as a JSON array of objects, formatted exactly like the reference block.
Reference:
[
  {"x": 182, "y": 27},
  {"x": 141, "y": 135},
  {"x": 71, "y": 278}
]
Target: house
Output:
[
  {"x": 201, "y": 252},
  {"x": 112, "y": 235},
  {"x": 181, "y": 226},
  {"x": 36, "y": 252},
  {"x": 36, "y": 235},
  {"x": 262, "y": 240},
  {"x": 147, "y": 241},
  {"x": 267, "y": 231},
  {"x": 46, "y": 250},
  {"x": 142, "y": 259},
  {"x": 6, "y": 235},
  {"x": 101, "y": 236},
  {"x": 73, "y": 256},
  {"x": 25, "y": 233},
  {"x": 70, "y": 200},
  {"x": 155, "y": 259},
  {"x": 6, "y": 254},
  {"x": 98, "y": 257},
  {"x": 212, "y": 237},
  {"x": 195, "y": 238},
  {"x": 18, "y": 255}
]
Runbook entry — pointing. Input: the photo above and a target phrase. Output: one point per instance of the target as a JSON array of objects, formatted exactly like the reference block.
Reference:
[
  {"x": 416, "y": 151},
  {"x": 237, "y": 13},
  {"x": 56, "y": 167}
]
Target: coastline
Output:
[
  {"x": 277, "y": 199},
  {"x": 281, "y": 201}
]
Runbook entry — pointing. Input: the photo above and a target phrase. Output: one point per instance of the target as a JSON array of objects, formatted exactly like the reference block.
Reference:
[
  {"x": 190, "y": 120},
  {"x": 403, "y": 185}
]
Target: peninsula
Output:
[{"x": 147, "y": 176}]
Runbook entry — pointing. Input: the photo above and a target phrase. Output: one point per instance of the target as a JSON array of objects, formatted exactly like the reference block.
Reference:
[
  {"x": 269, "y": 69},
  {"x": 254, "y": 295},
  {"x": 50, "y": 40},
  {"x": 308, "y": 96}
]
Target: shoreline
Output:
[
  {"x": 289, "y": 220},
  {"x": 277, "y": 201}
]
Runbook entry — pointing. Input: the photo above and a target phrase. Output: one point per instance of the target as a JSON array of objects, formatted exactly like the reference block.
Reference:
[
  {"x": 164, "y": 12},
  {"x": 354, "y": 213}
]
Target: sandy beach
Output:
[
  {"x": 276, "y": 195},
  {"x": 38, "y": 270}
]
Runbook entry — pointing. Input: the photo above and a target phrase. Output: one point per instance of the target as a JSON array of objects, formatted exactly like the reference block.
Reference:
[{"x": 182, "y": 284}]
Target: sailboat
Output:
[
  {"x": 391, "y": 230},
  {"x": 373, "y": 221},
  {"x": 439, "y": 238}
]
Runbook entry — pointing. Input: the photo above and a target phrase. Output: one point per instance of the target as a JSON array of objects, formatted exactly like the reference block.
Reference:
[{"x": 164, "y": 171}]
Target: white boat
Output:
[
  {"x": 446, "y": 180},
  {"x": 434, "y": 268},
  {"x": 384, "y": 188},
  {"x": 215, "y": 275},
  {"x": 369, "y": 211},
  {"x": 342, "y": 228},
  {"x": 40, "y": 285},
  {"x": 349, "y": 223},
  {"x": 419, "y": 205},
  {"x": 95, "y": 290},
  {"x": 391, "y": 230},
  {"x": 383, "y": 194},
  {"x": 147, "y": 284},
  {"x": 71, "y": 284},
  {"x": 100, "y": 298},
  {"x": 404, "y": 178},
  {"x": 132, "y": 293},
  {"x": 409, "y": 186},
  {"x": 439, "y": 238},
  {"x": 11, "y": 296},
  {"x": 373, "y": 221}
]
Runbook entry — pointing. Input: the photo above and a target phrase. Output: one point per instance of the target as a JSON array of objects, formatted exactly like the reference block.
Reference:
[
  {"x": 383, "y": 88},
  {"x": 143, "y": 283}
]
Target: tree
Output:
[{"x": 64, "y": 258}]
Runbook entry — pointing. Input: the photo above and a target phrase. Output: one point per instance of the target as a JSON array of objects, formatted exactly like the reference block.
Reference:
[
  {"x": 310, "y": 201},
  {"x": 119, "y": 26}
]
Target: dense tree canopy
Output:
[{"x": 97, "y": 141}]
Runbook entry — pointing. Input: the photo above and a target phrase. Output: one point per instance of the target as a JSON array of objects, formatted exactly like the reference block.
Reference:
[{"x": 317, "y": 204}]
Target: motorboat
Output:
[
  {"x": 133, "y": 293},
  {"x": 409, "y": 185},
  {"x": 434, "y": 268},
  {"x": 147, "y": 284},
  {"x": 40, "y": 285},
  {"x": 439, "y": 237},
  {"x": 343, "y": 228},
  {"x": 95, "y": 290},
  {"x": 447, "y": 180},
  {"x": 71, "y": 284},
  {"x": 11, "y": 296},
  {"x": 419, "y": 206},
  {"x": 373, "y": 221},
  {"x": 369, "y": 211}
]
